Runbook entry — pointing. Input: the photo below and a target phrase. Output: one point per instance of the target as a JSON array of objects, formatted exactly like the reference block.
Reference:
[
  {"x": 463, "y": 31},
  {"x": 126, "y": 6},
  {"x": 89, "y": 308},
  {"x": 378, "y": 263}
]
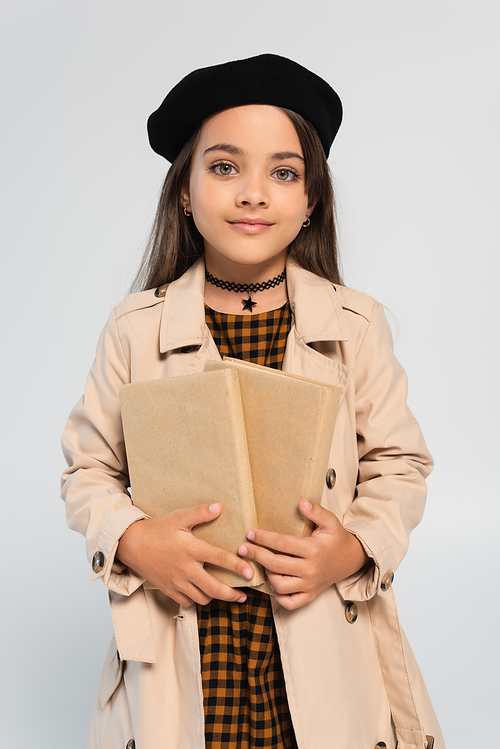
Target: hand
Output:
[
  {"x": 164, "y": 551},
  {"x": 303, "y": 567}
]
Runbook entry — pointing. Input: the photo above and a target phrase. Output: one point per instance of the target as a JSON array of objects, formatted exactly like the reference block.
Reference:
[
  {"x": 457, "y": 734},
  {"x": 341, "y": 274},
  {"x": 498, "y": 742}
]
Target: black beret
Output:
[{"x": 265, "y": 79}]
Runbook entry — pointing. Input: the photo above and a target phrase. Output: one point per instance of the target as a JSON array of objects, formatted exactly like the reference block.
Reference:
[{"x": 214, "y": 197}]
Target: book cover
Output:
[
  {"x": 289, "y": 423},
  {"x": 186, "y": 445}
]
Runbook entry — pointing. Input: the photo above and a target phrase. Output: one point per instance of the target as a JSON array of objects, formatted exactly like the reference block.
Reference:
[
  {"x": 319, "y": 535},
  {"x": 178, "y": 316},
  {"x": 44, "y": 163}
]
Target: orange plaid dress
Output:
[{"x": 243, "y": 686}]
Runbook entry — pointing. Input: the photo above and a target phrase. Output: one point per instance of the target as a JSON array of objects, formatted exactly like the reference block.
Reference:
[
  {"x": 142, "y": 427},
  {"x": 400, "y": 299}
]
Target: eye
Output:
[
  {"x": 223, "y": 169},
  {"x": 285, "y": 175}
]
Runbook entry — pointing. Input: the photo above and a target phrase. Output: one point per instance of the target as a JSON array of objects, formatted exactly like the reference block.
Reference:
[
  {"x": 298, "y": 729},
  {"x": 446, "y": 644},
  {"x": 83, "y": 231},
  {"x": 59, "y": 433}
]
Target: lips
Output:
[
  {"x": 251, "y": 225},
  {"x": 250, "y": 221}
]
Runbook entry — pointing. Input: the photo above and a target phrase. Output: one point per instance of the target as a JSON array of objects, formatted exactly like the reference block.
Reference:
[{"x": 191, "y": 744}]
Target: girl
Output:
[{"x": 243, "y": 261}]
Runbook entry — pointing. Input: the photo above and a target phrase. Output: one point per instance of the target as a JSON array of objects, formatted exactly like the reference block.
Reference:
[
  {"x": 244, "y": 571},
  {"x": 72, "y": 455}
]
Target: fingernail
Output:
[
  {"x": 243, "y": 551},
  {"x": 248, "y": 573},
  {"x": 214, "y": 507},
  {"x": 251, "y": 536},
  {"x": 242, "y": 599},
  {"x": 307, "y": 505},
  {"x": 272, "y": 588}
]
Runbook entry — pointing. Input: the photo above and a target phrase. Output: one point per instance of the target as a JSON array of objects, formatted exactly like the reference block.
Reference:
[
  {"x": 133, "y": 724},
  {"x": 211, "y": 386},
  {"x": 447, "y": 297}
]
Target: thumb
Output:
[
  {"x": 324, "y": 519},
  {"x": 199, "y": 514}
]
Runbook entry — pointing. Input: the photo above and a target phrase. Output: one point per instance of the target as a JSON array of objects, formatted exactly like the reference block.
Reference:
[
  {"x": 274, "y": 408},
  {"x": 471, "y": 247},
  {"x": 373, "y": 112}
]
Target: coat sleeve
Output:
[
  {"x": 393, "y": 463},
  {"x": 95, "y": 484}
]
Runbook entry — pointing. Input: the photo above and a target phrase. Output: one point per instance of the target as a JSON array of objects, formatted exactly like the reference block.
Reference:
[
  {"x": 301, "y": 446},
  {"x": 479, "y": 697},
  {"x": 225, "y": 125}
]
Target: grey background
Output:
[{"x": 416, "y": 165}]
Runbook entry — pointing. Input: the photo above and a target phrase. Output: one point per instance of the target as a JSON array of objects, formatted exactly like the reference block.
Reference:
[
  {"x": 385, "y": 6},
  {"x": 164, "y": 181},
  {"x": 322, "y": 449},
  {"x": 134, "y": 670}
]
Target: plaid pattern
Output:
[
  {"x": 260, "y": 338},
  {"x": 243, "y": 686}
]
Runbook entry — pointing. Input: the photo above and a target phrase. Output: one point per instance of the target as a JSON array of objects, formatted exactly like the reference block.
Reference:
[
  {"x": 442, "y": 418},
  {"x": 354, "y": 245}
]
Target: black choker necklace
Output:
[{"x": 249, "y": 289}]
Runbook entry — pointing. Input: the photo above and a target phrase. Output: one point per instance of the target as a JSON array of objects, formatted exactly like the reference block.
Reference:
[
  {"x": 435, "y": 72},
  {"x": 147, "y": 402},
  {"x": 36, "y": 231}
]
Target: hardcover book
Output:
[
  {"x": 186, "y": 445},
  {"x": 253, "y": 438},
  {"x": 289, "y": 424}
]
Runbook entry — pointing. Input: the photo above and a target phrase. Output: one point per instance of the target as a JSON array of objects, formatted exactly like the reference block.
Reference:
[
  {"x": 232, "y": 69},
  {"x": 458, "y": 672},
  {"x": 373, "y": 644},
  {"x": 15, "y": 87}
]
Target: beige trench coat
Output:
[{"x": 349, "y": 685}]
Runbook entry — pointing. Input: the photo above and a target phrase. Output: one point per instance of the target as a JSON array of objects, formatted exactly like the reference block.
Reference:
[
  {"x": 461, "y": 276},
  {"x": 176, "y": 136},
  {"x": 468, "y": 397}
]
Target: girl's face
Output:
[{"x": 246, "y": 190}]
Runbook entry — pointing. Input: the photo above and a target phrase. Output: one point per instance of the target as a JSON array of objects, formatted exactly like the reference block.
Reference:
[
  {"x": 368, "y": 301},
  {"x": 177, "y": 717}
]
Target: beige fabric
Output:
[{"x": 342, "y": 679}]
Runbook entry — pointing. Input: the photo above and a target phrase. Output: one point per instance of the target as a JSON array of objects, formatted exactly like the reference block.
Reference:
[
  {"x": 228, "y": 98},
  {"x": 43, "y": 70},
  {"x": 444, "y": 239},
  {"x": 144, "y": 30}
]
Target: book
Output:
[
  {"x": 289, "y": 423},
  {"x": 186, "y": 445},
  {"x": 253, "y": 438}
]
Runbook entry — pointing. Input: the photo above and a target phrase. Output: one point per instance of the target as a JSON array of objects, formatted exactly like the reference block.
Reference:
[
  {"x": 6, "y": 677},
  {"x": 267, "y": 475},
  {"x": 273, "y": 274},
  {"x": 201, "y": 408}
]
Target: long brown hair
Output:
[{"x": 175, "y": 243}]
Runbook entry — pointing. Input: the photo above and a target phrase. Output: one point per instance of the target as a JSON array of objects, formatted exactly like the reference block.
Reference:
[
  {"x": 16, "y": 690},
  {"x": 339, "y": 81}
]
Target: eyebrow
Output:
[
  {"x": 287, "y": 155},
  {"x": 235, "y": 151}
]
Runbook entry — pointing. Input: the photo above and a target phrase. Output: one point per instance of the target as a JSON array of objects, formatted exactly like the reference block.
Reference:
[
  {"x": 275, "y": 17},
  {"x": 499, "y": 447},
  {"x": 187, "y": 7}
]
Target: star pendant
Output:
[{"x": 248, "y": 304}]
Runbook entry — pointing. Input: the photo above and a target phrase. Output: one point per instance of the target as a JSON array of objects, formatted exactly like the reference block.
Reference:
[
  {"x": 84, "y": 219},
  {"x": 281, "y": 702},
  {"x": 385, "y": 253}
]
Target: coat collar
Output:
[{"x": 318, "y": 314}]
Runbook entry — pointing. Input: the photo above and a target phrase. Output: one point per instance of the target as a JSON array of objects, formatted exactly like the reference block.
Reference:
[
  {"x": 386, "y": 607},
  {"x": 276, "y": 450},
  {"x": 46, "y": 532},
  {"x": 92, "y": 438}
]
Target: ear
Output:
[
  {"x": 311, "y": 207},
  {"x": 185, "y": 197}
]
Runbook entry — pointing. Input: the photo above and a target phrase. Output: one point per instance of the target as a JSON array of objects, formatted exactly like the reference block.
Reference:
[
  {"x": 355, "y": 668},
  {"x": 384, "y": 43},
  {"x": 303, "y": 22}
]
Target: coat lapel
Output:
[
  {"x": 318, "y": 316},
  {"x": 183, "y": 315},
  {"x": 317, "y": 312}
]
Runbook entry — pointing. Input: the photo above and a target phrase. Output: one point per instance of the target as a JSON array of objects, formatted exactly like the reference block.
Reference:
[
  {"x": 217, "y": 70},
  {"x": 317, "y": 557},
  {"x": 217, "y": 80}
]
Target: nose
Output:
[{"x": 253, "y": 191}]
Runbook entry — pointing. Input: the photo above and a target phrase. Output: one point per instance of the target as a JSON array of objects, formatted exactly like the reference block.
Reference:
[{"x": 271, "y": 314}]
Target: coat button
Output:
[
  {"x": 331, "y": 478},
  {"x": 381, "y": 745},
  {"x": 387, "y": 580},
  {"x": 98, "y": 561},
  {"x": 351, "y": 612},
  {"x": 430, "y": 742},
  {"x": 130, "y": 744}
]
